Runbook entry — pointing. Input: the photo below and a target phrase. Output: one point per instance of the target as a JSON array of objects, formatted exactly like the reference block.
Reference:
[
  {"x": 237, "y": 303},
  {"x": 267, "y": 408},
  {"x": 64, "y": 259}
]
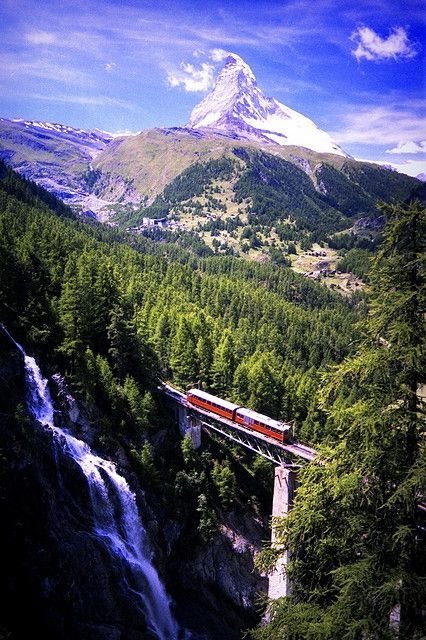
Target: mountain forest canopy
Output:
[
  {"x": 144, "y": 309},
  {"x": 115, "y": 313}
]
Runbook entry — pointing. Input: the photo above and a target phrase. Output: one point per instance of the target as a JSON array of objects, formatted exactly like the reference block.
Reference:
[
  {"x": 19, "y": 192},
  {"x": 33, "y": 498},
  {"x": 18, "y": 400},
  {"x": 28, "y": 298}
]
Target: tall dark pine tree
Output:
[{"x": 359, "y": 562}]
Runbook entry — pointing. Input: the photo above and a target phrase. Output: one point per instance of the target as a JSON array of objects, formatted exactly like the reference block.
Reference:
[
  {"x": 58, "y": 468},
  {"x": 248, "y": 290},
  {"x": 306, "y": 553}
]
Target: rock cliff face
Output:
[
  {"x": 58, "y": 572},
  {"x": 56, "y": 156},
  {"x": 54, "y": 570},
  {"x": 218, "y": 587}
]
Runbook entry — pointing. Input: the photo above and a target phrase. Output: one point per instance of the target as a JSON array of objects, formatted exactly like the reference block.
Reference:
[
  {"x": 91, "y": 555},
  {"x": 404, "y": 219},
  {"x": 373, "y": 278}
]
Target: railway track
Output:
[{"x": 295, "y": 448}]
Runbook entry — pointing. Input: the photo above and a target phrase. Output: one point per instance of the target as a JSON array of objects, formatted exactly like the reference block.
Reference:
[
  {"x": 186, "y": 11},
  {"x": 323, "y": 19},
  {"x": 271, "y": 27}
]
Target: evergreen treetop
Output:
[{"x": 358, "y": 554}]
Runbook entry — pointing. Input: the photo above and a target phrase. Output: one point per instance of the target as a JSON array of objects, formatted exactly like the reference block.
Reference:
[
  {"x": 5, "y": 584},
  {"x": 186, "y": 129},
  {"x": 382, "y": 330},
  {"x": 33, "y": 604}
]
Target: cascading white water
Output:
[{"x": 119, "y": 528}]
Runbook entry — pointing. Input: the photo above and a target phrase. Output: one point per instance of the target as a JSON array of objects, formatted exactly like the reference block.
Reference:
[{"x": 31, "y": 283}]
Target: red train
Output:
[{"x": 245, "y": 417}]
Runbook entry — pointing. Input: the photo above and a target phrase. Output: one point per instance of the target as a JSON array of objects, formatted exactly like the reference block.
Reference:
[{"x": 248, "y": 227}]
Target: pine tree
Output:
[
  {"x": 359, "y": 562},
  {"x": 122, "y": 342},
  {"x": 263, "y": 383},
  {"x": 183, "y": 356},
  {"x": 160, "y": 340},
  {"x": 223, "y": 365},
  {"x": 69, "y": 317},
  {"x": 205, "y": 358},
  {"x": 225, "y": 482}
]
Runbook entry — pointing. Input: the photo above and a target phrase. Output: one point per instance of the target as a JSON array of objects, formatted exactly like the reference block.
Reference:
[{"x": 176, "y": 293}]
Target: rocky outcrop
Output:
[
  {"x": 218, "y": 587},
  {"x": 57, "y": 579}
]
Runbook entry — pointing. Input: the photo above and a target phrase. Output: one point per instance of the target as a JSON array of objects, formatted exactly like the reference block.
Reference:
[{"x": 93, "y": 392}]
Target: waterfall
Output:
[{"x": 115, "y": 514}]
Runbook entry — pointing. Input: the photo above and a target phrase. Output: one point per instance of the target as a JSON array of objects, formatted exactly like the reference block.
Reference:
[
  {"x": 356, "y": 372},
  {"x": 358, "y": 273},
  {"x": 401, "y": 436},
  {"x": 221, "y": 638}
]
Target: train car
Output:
[
  {"x": 263, "y": 424},
  {"x": 211, "y": 403},
  {"x": 240, "y": 415}
]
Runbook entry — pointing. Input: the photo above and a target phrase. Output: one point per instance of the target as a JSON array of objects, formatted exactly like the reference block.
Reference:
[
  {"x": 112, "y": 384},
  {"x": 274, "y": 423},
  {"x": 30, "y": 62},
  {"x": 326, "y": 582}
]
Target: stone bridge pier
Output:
[
  {"x": 284, "y": 489},
  {"x": 285, "y": 481},
  {"x": 188, "y": 424}
]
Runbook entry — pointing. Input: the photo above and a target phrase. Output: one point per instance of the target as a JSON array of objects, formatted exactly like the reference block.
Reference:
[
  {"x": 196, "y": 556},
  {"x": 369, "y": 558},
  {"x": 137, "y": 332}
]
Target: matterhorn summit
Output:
[{"x": 236, "y": 106}]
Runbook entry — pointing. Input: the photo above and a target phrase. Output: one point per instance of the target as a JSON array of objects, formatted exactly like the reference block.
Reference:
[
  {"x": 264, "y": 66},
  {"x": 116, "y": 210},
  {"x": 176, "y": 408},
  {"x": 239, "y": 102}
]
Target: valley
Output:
[{"x": 247, "y": 256}]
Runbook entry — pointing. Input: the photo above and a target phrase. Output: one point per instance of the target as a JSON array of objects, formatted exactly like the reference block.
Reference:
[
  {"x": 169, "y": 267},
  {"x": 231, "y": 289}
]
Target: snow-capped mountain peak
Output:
[
  {"x": 237, "y": 106},
  {"x": 235, "y": 68}
]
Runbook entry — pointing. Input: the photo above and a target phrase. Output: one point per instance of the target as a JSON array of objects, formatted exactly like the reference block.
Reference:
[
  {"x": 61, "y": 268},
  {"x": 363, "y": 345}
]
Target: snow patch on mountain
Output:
[
  {"x": 236, "y": 105},
  {"x": 62, "y": 129}
]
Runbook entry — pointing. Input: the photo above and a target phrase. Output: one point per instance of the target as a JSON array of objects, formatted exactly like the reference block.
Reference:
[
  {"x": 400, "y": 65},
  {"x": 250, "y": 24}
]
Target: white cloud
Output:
[
  {"x": 41, "y": 37},
  {"x": 31, "y": 67},
  {"x": 218, "y": 55},
  {"x": 123, "y": 133},
  {"x": 109, "y": 67},
  {"x": 409, "y": 147},
  {"x": 410, "y": 167},
  {"x": 101, "y": 101},
  {"x": 382, "y": 125},
  {"x": 191, "y": 78},
  {"x": 371, "y": 46}
]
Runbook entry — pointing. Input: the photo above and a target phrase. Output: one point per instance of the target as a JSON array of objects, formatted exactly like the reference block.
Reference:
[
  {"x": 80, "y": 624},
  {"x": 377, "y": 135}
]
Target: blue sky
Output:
[{"x": 356, "y": 67}]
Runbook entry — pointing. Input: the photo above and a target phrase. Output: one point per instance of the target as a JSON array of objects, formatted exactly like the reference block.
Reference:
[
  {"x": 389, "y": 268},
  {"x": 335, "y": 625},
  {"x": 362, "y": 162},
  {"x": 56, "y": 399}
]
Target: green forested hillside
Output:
[
  {"x": 190, "y": 183},
  {"x": 115, "y": 315},
  {"x": 279, "y": 190},
  {"x": 258, "y": 203}
]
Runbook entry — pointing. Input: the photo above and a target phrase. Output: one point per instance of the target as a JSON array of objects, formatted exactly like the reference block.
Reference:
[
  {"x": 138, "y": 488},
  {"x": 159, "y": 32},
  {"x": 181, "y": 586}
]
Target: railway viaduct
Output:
[{"x": 192, "y": 420}]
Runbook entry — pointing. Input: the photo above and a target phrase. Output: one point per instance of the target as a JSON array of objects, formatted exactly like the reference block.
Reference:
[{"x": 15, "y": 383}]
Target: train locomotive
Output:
[{"x": 240, "y": 415}]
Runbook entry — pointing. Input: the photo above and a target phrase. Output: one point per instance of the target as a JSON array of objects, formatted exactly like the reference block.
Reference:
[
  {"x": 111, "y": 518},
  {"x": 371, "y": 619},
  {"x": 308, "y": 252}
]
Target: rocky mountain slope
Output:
[
  {"x": 71, "y": 586},
  {"x": 56, "y": 156}
]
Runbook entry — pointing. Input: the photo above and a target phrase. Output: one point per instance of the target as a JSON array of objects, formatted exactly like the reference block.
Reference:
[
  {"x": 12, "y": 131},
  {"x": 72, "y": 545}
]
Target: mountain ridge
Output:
[
  {"x": 56, "y": 156},
  {"x": 102, "y": 175},
  {"x": 132, "y": 171}
]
